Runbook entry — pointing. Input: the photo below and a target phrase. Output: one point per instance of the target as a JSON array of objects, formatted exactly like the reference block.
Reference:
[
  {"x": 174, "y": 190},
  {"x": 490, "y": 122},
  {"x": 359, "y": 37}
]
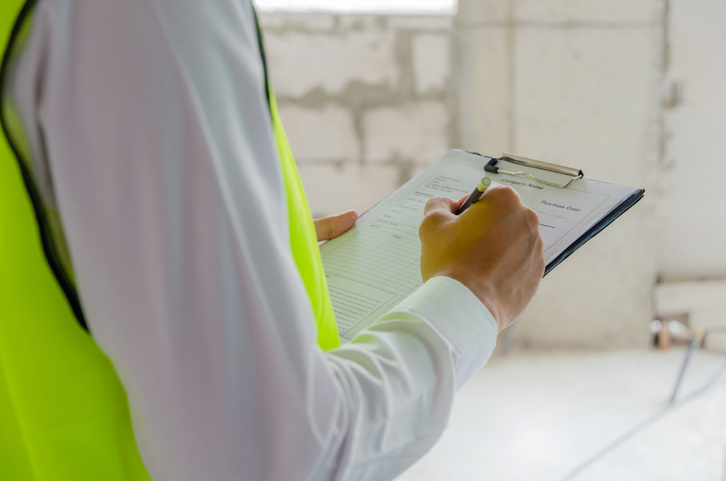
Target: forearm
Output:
[{"x": 400, "y": 375}]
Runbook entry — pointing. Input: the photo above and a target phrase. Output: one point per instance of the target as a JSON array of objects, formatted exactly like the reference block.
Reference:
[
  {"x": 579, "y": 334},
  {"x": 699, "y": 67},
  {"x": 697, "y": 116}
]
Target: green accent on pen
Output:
[
  {"x": 483, "y": 184},
  {"x": 476, "y": 195}
]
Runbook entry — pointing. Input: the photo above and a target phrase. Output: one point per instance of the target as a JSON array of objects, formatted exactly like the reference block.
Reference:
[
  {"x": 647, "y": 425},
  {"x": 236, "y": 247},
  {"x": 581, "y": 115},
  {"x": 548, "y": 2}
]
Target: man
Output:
[{"x": 149, "y": 125}]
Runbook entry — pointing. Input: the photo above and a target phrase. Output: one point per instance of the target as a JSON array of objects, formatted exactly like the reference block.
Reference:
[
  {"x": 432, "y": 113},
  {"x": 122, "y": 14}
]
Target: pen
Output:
[{"x": 476, "y": 195}]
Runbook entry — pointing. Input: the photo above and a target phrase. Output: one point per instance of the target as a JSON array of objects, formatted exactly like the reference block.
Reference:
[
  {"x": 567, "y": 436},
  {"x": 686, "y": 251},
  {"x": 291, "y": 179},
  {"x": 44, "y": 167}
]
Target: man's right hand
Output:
[{"x": 494, "y": 248}]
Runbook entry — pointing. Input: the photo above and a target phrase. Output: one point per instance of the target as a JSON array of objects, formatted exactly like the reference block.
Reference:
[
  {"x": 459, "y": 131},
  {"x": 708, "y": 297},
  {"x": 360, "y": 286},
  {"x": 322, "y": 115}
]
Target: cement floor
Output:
[{"x": 537, "y": 417}]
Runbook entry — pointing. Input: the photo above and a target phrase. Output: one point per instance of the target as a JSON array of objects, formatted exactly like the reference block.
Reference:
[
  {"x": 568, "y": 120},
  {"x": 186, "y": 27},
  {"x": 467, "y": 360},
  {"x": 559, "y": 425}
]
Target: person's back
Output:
[
  {"x": 63, "y": 410},
  {"x": 149, "y": 127}
]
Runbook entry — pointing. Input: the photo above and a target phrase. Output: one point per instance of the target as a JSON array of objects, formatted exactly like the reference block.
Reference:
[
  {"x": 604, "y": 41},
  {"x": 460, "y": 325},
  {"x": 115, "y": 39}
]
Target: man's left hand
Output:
[{"x": 333, "y": 226}]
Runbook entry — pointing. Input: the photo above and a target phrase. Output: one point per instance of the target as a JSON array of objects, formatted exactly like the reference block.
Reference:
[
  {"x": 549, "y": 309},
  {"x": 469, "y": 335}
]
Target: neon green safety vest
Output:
[{"x": 63, "y": 412}]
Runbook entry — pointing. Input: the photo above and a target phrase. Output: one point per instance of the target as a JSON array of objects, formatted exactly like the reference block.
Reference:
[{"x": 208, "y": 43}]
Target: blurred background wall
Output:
[
  {"x": 631, "y": 91},
  {"x": 367, "y": 100}
]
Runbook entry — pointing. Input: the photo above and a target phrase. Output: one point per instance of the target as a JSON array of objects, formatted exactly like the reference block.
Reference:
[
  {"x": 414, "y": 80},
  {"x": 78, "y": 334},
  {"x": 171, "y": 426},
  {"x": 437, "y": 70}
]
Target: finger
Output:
[
  {"x": 502, "y": 198},
  {"x": 496, "y": 189},
  {"x": 332, "y": 226},
  {"x": 441, "y": 206},
  {"x": 335, "y": 225}
]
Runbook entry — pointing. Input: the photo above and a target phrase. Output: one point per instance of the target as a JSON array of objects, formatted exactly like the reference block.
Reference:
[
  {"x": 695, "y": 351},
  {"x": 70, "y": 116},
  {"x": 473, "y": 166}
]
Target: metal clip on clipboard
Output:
[{"x": 493, "y": 167}]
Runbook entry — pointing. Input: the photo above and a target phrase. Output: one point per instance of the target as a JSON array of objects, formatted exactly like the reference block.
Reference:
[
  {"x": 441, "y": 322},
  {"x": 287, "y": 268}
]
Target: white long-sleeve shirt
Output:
[{"x": 149, "y": 128}]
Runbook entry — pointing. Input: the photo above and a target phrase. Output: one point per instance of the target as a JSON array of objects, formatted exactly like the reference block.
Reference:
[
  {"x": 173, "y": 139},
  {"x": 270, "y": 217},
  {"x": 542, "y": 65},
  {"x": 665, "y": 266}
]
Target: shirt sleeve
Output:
[{"x": 163, "y": 164}]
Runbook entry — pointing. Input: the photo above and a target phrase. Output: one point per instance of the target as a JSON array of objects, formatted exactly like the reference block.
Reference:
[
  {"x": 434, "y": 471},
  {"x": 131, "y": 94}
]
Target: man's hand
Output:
[
  {"x": 494, "y": 248},
  {"x": 331, "y": 227}
]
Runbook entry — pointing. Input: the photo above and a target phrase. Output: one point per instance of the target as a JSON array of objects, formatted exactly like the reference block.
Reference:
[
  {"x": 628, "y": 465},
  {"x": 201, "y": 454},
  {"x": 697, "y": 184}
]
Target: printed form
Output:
[{"x": 376, "y": 264}]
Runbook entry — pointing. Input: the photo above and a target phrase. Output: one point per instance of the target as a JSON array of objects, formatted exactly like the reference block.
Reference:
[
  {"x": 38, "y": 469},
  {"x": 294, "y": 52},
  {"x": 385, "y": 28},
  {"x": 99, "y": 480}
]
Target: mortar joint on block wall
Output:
[
  {"x": 382, "y": 21},
  {"x": 404, "y": 55},
  {"x": 359, "y": 129},
  {"x": 354, "y": 95},
  {"x": 405, "y": 169}
]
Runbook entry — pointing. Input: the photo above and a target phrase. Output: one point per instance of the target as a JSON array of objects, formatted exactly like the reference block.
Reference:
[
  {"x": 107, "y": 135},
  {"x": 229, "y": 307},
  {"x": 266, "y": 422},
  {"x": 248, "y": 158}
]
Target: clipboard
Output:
[
  {"x": 572, "y": 174},
  {"x": 376, "y": 264}
]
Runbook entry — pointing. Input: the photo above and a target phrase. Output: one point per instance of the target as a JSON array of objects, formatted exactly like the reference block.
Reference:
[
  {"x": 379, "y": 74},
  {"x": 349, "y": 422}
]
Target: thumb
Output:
[
  {"x": 331, "y": 227},
  {"x": 441, "y": 206}
]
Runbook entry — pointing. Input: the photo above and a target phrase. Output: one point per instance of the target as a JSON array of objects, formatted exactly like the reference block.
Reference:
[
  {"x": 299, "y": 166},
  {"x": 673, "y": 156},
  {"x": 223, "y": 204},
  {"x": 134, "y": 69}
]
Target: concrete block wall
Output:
[
  {"x": 367, "y": 100},
  {"x": 370, "y": 100},
  {"x": 576, "y": 83},
  {"x": 691, "y": 214}
]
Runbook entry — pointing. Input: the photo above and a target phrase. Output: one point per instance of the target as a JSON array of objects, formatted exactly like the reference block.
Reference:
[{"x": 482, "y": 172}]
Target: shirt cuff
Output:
[{"x": 460, "y": 318}]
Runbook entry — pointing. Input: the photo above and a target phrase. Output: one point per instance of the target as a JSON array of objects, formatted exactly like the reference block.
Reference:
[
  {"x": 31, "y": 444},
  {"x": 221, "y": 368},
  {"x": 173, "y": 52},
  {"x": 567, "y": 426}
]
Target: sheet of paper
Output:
[{"x": 376, "y": 264}]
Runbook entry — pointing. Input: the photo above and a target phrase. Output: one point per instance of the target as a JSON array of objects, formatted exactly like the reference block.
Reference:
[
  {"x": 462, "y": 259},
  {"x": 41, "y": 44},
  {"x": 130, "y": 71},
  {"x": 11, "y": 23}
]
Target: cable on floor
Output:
[{"x": 643, "y": 425}]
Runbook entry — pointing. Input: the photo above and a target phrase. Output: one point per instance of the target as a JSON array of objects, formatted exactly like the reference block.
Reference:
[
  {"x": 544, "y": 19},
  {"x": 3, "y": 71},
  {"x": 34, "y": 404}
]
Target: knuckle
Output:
[
  {"x": 505, "y": 197},
  {"x": 430, "y": 221},
  {"x": 532, "y": 217},
  {"x": 424, "y": 226},
  {"x": 434, "y": 203},
  {"x": 510, "y": 194},
  {"x": 431, "y": 203}
]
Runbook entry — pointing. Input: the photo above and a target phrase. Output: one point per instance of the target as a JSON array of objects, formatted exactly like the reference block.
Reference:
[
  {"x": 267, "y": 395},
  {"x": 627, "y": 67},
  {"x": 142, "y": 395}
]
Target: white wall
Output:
[
  {"x": 369, "y": 100},
  {"x": 692, "y": 206},
  {"x": 359, "y": 6},
  {"x": 574, "y": 82}
]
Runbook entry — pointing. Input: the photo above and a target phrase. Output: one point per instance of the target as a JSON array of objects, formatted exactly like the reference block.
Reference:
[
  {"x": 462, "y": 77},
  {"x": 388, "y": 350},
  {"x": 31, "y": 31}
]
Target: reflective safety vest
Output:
[{"x": 63, "y": 411}]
